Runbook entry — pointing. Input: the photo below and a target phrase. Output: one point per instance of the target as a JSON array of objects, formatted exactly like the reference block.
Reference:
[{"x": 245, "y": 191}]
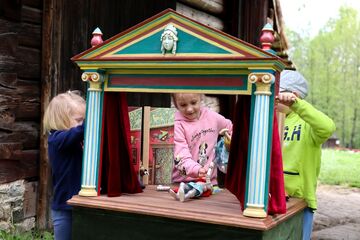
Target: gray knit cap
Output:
[{"x": 293, "y": 81}]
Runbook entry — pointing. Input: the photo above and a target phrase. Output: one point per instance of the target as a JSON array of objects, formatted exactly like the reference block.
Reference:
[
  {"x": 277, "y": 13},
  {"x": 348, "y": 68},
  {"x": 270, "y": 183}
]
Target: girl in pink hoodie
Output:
[{"x": 196, "y": 130}]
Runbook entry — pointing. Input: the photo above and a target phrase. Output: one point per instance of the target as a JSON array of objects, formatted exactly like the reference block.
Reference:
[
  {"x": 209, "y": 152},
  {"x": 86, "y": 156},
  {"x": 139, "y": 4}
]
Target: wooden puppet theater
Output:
[{"x": 172, "y": 53}]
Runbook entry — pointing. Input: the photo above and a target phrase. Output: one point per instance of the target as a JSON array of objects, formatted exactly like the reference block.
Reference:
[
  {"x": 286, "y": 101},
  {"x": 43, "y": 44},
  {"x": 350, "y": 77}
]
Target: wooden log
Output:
[
  {"x": 7, "y": 149},
  {"x": 10, "y": 9},
  {"x": 28, "y": 55},
  {"x": 8, "y": 64},
  {"x": 7, "y": 26},
  {"x": 31, "y": 15},
  {"x": 30, "y": 35},
  {"x": 209, "y": 6},
  {"x": 8, "y": 80},
  {"x": 28, "y": 65},
  {"x": 19, "y": 99},
  {"x": 199, "y": 16},
  {"x": 6, "y": 116},
  {"x": 26, "y": 133},
  {"x": 29, "y": 70},
  {"x": 33, "y": 3},
  {"x": 30, "y": 199},
  {"x": 9, "y": 44},
  {"x": 15, "y": 151},
  {"x": 12, "y": 170}
]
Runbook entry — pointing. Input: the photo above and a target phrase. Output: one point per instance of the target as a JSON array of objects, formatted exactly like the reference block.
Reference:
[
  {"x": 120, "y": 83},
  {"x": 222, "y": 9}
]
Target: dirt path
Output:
[{"x": 338, "y": 214}]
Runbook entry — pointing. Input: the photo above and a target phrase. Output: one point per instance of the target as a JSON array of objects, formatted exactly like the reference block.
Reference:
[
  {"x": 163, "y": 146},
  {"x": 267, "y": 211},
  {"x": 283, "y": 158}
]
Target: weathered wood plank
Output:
[
  {"x": 29, "y": 66},
  {"x": 19, "y": 99},
  {"x": 33, "y": 3},
  {"x": 51, "y": 42},
  {"x": 7, "y": 149},
  {"x": 9, "y": 44},
  {"x": 30, "y": 199},
  {"x": 7, "y": 26},
  {"x": 200, "y": 16},
  {"x": 28, "y": 55},
  {"x": 209, "y": 6},
  {"x": 29, "y": 70},
  {"x": 30, "y": 35},
  {"x": 8, "y": 80},
  {"x": 26, "y": 133},
  {"x": 11, "y": 9},
  {"x": 12, "y": 170},
  {"x": 31, "y": 15},
  {"x": 8, "y": 64}
]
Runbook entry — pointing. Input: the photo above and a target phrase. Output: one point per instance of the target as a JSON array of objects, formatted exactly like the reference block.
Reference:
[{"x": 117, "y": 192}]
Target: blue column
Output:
[
  {"x": 91, "y": 155},
  {"x": 259, "y": 158}
]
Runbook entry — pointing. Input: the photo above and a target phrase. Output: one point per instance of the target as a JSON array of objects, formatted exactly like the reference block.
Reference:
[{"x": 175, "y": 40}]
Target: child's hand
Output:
[
  {"x": 202, "y": 172},
  {"x": 287, "y": 98}
]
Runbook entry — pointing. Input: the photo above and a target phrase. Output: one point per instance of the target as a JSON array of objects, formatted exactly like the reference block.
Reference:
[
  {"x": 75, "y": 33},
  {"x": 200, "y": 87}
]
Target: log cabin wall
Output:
[{"x": 20, "y": 81}]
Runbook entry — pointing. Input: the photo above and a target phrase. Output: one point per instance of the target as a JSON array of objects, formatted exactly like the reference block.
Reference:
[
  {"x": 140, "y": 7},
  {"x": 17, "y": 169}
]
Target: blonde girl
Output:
[{"x": 64, "y": 123}]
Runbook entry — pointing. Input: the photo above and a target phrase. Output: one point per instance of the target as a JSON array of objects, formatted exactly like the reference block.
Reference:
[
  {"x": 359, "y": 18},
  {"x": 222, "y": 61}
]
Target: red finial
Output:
[
  {"x": 97, "y": 37},
  {"x": 267, "y": 37}
]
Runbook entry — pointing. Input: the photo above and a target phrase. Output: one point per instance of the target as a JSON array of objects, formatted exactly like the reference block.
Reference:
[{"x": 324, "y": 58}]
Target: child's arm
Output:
[
  {"x": 67, "y": 138},
  {"x": 322, "y": 127},
  {"x": 224, "y": 123},
  {"x": 181, "y": 149}
]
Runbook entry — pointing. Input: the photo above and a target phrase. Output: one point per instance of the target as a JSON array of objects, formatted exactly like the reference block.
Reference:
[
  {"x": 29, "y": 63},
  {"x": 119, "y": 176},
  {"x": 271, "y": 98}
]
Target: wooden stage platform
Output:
[{"x": 153, "y": 212}]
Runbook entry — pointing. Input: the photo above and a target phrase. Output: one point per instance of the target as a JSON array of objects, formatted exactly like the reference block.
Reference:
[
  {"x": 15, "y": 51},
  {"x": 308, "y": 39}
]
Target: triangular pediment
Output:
[{"x": 195, "y": 41}]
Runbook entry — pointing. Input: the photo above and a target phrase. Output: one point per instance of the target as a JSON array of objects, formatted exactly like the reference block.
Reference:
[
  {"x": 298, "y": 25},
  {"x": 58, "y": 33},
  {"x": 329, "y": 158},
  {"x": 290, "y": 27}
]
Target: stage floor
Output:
[{"x": 222, "y": 208}]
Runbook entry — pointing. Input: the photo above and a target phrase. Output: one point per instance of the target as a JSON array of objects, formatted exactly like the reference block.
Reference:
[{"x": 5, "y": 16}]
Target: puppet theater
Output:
[{"x": 171, "y": 53}]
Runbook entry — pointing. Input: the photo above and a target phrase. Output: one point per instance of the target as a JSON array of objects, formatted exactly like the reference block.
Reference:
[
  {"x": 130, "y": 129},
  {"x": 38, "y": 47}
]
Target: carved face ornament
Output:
[{"x": 169, "y": 39}]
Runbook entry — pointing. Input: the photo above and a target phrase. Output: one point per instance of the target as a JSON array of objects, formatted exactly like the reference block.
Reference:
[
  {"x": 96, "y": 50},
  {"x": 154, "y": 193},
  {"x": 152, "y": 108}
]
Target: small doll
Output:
[
  {"x": 200, "y": 188},
  {"x": 222, "y": 150}
]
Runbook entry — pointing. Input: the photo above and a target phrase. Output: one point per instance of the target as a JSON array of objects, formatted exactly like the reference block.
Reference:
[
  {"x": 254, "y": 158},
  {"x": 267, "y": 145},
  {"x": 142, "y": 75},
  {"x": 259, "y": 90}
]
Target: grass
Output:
[
  {"x": 26, "y": 236},
  {"x": 340, "y": 167}
]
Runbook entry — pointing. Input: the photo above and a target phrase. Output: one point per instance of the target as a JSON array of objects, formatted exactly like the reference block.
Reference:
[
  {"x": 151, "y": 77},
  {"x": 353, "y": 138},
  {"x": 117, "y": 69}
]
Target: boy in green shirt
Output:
[{"x": 305, "y": 129}]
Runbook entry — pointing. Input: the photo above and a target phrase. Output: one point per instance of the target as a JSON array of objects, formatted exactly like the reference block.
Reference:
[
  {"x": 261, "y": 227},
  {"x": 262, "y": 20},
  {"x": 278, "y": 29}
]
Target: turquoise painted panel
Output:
[{"x": 187, "y": 44}]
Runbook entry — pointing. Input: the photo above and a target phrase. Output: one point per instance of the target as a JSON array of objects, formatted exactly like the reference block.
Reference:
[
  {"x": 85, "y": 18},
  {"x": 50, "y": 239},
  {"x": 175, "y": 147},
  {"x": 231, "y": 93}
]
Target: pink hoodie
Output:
[{"x": 195, "y": 142}]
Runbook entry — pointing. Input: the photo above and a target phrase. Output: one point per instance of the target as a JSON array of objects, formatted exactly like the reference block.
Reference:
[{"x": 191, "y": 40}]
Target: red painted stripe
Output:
[
  {"x": 163, "y": 24},
  {"x": 117, "y": 81},
  {"x": 204, "y": 35},
  {"x": 178, "y": 58},
  {"x": 76, "y": 57}
]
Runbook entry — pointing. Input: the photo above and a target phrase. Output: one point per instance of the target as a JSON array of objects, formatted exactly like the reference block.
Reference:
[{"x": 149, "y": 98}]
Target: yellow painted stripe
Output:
[
  {"x": 156, "y": 25},
  {"x": 147, "y": 90}
]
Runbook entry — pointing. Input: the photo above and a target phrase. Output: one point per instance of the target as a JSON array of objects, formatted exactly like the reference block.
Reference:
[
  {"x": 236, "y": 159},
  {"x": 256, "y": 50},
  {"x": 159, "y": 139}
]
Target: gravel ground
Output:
[{"x": 338, "y": 214}]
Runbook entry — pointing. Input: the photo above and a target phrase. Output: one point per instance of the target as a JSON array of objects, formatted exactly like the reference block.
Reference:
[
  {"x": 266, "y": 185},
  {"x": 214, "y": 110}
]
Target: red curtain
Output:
[
  {"x": 235, "y": 180},
  {"x": 118, "y": 174},
  {"x": 277, "y": 202}
]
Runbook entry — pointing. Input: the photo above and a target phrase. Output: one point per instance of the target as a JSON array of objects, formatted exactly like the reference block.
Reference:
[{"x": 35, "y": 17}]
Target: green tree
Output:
[{"x": 331, "y": 63}]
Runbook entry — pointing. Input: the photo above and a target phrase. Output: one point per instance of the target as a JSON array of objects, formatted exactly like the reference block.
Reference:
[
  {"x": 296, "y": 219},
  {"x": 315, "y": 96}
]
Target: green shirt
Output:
[{"x": 305, "y": 129}]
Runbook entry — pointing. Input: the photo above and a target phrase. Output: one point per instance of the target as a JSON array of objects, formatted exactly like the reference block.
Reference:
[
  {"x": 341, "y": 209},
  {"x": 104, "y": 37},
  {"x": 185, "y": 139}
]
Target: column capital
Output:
[
  {"x": 95, "y": 80},
  {"x": 263, "y": 81}
]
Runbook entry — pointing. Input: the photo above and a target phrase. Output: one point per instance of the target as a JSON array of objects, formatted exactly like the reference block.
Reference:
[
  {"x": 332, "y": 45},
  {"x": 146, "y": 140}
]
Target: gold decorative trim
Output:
[
  {"x": 95, "y": 80},
  {"x": 88, "y": 192},
  {"x": 255, "y": 211},
  {"x": 263, "y": 82}
]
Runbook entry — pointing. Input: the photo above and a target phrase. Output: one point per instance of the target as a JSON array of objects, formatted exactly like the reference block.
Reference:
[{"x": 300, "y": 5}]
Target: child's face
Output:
[
  {"x": 188, "y": 104},
  {"x": 77, "y": 116}
]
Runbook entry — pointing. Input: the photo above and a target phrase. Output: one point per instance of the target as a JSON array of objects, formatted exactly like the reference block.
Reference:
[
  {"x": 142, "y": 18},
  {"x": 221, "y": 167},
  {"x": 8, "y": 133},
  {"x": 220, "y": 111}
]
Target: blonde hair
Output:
[
  {"x": 58, "y": 114},
  {"x": 174, "y": 95}
]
